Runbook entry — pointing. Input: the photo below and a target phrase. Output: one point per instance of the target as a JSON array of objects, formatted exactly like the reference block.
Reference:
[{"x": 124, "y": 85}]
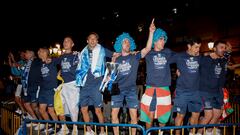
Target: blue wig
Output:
[
  {"x": 159, "y": 33},
  {"x": 119, "y": 41}
]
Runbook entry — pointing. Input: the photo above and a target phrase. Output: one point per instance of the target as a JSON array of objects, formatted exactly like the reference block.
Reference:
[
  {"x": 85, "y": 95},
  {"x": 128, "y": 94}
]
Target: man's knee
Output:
[
  {"x": 98, "y": 111},
  {"x": 51, "y": 110},
  {"x": 42, "y": 110},
  {"x": 84, "y": 109}
]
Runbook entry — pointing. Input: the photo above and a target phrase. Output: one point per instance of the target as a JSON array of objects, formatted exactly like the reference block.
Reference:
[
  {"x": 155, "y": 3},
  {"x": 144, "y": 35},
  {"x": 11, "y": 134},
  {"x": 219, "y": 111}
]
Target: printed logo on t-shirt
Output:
[
  {"x": 225, "y": 66},
  {"x": 65, "y": 64},
  {"x": 178, "y": 109},
  {"x": 159, "y": 61},
  {"x": 44, "y": 70},
  {"x": 124, "y": 67},
  {"x": 218, "y": 70},
  {"x": 192, "y": 65}
]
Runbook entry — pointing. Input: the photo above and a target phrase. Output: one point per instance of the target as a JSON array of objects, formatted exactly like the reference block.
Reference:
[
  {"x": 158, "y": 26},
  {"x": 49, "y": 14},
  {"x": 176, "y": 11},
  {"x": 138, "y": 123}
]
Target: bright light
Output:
[
  {"x": 174, "y": 10},
  {"x": 50, "y": 50},
  {"x": 55, "y": 50},
  {"x": 210, "y": 45},
  {"x": 58, "y": 46},
  {"x": 140, "y": 27},
  {"x": 59, "y": 52}
]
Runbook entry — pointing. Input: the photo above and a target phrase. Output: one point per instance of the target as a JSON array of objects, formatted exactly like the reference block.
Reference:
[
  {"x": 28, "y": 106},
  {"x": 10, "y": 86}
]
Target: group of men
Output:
[{"x": 199, "y": 83}]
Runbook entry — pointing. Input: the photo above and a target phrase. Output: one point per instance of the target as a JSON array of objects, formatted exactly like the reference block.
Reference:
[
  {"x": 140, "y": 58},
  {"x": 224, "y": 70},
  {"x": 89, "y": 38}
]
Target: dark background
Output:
[{"x": 40, "y": 23}]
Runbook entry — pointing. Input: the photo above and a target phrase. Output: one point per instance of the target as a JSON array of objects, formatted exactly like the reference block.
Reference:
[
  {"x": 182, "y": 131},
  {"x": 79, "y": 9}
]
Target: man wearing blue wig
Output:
[
  {"x": 156, "y": 101},
  {"x": 126, "y": 79}
]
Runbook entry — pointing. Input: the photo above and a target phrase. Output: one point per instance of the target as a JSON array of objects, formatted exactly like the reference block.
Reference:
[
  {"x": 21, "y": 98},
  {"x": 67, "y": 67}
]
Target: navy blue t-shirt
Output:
[
  {"x": 68, "y": 63},
  {"x": 224, "y": 74},
  {"x": 158, "y": 68},
  {"x": 213, "y": 73},
  {"x": 127, "y": 70},
  {"x": 34, "y": 77},
  {"x": 49, "y": 75},
  {"x": 91, "y": 80},
  {"x": 189, "y": 71}
]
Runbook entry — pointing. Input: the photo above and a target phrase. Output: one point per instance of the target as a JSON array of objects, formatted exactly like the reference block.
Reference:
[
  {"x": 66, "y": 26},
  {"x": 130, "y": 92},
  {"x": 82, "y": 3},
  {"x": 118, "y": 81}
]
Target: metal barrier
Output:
[
  {"x": 84, "y": 124},
  {"x": 10, "y": 121},
  {"x": 224, "y": 127}
]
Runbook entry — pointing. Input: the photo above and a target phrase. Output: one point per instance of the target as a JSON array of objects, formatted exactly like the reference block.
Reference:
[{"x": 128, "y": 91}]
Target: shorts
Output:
[
  {"x": 70, "y": 98},
  {"x": 130, "y": 95},
  {"x": 46, "y": 96},
  {"x": 212, "y": 100},
  {"x": 18, "y": 90},
  {"x": 32, "y": 94},
  {"x": 90, "y": 95},
  {"x": 156, "y": 100},
  {"x": 190, "y": 101}
]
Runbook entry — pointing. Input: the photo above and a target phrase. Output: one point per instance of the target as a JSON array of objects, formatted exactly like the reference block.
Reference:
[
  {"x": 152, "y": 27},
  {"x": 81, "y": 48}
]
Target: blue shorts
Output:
[
  {"x": 190, "y": 101},
  {"x": 32, "y": 95},
  {"x": 212, "y": 100},
  {"x": 90, "y": 95},
  {"x": 129, "y": 95},
  {"x": 46, "y": 96}
]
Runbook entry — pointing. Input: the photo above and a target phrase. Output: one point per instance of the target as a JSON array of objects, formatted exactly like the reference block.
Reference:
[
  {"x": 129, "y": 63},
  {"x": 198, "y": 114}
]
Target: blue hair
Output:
[
  {"x": 119, "y": 41},
  {"x": 159, "y": 33}
]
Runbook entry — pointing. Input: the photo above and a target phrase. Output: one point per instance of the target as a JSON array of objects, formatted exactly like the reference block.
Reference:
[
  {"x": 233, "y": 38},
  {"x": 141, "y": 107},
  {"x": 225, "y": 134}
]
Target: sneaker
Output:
[
  {"x": 18, "y": 111},
  {"x": 90, "y": 132},
  {"x": 31, "y": 124},
  {"x": 41, "y": 126},
  {"x": 208, "y": 133},
  {"x": 29, "y": 117},
  {"x": 48, "y": 131},
  {"x": 63, "y": 131}
]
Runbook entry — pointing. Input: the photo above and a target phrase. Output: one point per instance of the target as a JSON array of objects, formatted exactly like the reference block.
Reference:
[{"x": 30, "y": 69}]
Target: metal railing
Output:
[
  {"x": 10, "y": 121},
  {"x": 171, "y": 129},
  {"x": 83, "y": 124},
  {"x": 226, "y": 129}
]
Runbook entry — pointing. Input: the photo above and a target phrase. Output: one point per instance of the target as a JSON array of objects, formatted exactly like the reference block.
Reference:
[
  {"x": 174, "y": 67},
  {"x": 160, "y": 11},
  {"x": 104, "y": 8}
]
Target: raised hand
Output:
[{"x": 152, "y": 27}]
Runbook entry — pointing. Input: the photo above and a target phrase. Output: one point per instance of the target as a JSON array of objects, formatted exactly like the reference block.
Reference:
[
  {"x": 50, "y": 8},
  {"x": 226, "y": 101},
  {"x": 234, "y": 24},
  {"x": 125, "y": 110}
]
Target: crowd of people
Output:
[{"x": 200, "y": 80}]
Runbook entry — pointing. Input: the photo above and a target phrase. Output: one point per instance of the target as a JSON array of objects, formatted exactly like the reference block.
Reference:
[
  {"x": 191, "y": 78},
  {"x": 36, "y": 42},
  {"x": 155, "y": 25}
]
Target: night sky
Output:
[{"x": 40, "y": 23}]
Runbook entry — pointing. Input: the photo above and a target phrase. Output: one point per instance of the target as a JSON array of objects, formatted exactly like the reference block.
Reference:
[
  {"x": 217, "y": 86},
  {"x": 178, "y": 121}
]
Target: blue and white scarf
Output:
[
  {"x": 97, "y": 65},
  {"x": 25, "y": 75}
]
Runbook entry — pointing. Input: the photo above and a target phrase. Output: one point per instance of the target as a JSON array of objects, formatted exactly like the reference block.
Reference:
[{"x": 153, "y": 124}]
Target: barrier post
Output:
[
  {"x": 234, "y": 130},
  {"x": 24, "y": 127}
]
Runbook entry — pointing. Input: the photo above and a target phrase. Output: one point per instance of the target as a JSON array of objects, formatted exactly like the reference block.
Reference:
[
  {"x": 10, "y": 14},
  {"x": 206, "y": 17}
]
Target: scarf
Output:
[
  {"x": 25, "y": 75},
  {"x": 97, "y": 65}
]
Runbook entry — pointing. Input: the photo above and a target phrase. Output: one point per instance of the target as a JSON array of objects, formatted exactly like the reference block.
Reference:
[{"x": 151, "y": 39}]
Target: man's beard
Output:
[
  {"x": 220, "y": 54},
  {"x": 126, "y": 50}
]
